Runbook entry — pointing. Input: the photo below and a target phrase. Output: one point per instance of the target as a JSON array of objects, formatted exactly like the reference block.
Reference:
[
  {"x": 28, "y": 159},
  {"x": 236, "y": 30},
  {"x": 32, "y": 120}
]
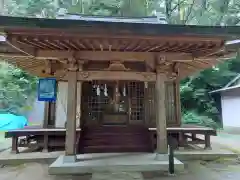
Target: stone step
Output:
[{"x": 112, "y": 162}]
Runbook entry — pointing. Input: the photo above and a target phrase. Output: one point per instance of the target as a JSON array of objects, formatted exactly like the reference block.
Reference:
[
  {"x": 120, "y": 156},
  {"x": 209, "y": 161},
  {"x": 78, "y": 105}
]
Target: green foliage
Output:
[
  {"x": 17, "y": 89},
  {"x": 30, "y": 8},
  {"x": 195, "y": 90},
  {"x": 191, "y": 117},
  {"x": 39, "y": 8}
]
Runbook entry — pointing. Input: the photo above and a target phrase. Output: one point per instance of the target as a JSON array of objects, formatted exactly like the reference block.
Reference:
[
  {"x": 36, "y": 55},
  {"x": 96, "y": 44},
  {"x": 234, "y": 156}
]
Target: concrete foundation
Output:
[
  {"x": 112, "y": 162},
  {"x": 161, "y": 157},
  {"x": 69, "y": 159}
]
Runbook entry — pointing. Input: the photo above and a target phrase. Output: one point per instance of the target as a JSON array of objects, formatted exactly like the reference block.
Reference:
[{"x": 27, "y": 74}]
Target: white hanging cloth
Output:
[
  {"x": 124, "y": 91},
  {"x": 116, "y": 90},
  {"x": 105, "y": 90},
  {"x": 98, "y": 91},
  {"x": 146, "y": 84}
]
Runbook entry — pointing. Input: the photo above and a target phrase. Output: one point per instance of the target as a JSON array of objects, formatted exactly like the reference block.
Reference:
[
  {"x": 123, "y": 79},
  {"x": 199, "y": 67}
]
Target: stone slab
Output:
[
  {"x": 112, "y": 162},
  {"x": 205, "y": 155}
]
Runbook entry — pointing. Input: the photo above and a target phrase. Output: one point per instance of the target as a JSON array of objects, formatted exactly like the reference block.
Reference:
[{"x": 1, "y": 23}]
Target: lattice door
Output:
[
  {"x": 136, "y": 102},
  {"x": 170, "y": 104},
  {"x": 150, "y": 115},
  {"x": 93, "y": 103}
]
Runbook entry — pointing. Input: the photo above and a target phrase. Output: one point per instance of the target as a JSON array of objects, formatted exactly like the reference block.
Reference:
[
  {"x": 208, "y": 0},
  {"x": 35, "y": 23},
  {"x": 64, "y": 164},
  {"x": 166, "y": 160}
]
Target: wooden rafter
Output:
[
  {"x": 99, "y": 35},
  {"x": 28, "y": 50},
  {"x": 165, "y": 44},
  {"x": 190, "y": 53}
]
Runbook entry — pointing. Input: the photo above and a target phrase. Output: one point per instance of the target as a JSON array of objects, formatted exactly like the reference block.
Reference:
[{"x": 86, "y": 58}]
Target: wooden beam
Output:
[
  {"x": 102, "y": 56},
  {"x": 215, "y": 57},
  {"x": 110, "y": 55},
  {"x": 115, "y": 75},
  {"x": 94, "y": 55},
  {"x": 13, "y": 55}
]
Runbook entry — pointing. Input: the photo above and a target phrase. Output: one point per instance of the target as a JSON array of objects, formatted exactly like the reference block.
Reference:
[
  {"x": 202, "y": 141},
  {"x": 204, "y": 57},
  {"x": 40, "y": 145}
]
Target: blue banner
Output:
[{"x": 47, "y": 89}]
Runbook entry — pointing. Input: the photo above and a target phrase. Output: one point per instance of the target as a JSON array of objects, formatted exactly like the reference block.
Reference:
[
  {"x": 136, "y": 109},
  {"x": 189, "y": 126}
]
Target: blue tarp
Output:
[{"x": 11, "y": 122}]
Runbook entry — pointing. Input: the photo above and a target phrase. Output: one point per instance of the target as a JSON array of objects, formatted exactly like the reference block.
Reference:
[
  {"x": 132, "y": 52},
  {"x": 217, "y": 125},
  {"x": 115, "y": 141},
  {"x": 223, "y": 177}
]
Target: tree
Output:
[{"x": 17, "y": 89}]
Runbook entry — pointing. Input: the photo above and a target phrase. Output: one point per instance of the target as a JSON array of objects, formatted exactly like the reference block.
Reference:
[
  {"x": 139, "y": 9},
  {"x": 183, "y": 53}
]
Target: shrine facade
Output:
[{"x": 118, "y": 79}]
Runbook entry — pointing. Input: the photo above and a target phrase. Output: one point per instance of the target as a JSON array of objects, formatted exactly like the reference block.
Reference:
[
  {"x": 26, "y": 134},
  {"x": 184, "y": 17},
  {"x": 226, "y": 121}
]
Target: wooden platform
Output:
[
  {"x": 44, "y": 138},
  {"x": 185, "y": 135},
  {"x": 100, "y": 139}
]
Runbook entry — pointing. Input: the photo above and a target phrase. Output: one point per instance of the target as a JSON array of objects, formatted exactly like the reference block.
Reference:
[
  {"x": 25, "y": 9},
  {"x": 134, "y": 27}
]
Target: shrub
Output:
[{"x": 192, "y": 117}]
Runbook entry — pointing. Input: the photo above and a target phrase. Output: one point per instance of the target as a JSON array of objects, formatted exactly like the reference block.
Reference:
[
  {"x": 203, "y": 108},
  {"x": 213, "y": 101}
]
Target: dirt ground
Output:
[
  {"x": 198, "y": 170},
  {"x": 230, "y": 141}
]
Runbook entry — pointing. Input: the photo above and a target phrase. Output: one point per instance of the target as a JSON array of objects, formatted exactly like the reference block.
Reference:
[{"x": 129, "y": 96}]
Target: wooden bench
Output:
[
  {"x": 186, "y": 135},
  {"x": 43, "y": 138}
]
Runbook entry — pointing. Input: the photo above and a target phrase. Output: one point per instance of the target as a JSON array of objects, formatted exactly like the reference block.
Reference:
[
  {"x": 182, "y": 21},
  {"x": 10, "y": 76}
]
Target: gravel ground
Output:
[
  {"x": 4, "y": 143},
  {"x": 218, "y": 170}
]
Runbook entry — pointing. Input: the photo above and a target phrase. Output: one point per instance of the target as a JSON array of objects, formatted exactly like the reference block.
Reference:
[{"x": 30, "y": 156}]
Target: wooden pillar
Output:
[
  {"x": 182, "y": 140},
  {"x": 79, "y": 102},
  {"x": 194, "y": 136},
  {"x": 46, "y": 114},
  {"x": 147, "y": 115},
  {"x": 162, "y": 146},
  {"x": 70, "y": 149},
  {"x": 45, "y": 125},
  {"x": 146, "y": 106},
  {"x": 178, "y": 103},
  {"x": 15, "y": 145},
  {"x": 207, "y": 142}
]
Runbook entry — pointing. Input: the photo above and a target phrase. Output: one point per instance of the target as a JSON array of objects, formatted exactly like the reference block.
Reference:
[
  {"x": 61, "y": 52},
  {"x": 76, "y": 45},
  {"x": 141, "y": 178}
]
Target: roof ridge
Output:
[{"x": 232, "y": 81}]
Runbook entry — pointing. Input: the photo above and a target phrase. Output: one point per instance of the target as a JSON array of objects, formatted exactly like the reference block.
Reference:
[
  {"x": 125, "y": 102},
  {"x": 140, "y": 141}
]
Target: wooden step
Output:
[
  {"x": 116, "y": 129},
  {"x": 115, "y": 139},
  {"x": 113, "y": 135},
  {"x": 117, "y": 142},
  {"x": 117, "y": 148},
  {"x": 114, "y": 132}
]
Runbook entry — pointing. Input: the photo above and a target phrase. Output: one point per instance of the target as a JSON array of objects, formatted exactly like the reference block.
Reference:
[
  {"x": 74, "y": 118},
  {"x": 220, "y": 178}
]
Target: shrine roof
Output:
[
  {"x": 160, "y": 19},
  {"x": 136, "y": 26},
  {"x": 29, "y": 42}
]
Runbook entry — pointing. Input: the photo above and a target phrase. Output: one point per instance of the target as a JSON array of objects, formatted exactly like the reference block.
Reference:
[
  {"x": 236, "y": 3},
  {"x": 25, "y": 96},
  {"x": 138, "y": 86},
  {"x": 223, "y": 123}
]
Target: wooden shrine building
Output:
[{"x": 122, "y": 74}]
